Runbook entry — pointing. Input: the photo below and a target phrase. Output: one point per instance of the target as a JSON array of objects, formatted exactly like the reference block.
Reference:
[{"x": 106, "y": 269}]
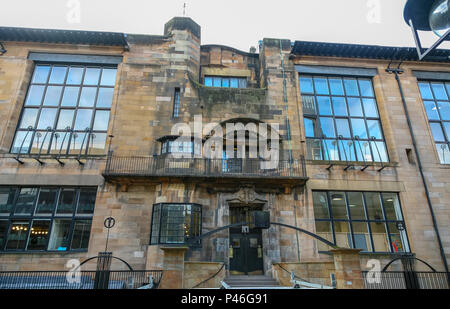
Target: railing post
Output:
[{"x": 102, "y": 273}]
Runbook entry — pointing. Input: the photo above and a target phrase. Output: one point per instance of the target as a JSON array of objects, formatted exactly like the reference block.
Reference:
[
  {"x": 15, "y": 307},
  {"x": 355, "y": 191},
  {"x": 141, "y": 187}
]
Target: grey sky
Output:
[{"x": 236, "y": 23}]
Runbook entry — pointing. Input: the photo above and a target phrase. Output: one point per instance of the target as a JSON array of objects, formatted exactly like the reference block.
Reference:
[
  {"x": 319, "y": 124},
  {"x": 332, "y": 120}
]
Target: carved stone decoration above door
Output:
[{"x": 246, "y": 195}]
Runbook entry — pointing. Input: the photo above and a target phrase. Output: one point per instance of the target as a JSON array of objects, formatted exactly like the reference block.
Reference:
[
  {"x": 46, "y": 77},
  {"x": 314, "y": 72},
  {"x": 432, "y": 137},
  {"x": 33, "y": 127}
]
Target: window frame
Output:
[
  {"x": 67, "y": 151},
  {"x": 159, "y": 225},
  {"x": 367, "y": 220},
  {"x": 30, "y": 218},
  {"x": 240, "y": 81},
  {"x": 316, "y": 118}
]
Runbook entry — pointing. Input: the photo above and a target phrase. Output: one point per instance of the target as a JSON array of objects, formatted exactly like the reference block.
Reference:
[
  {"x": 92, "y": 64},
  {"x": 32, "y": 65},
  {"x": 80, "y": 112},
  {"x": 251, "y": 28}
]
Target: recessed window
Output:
[
  {"x": 179, "y": 145},
  {"x": 370, "y": 221},
  {"x": 225, "y": 82},
  {"x": 341, "y": 119},
  {"x": 63, "y": 103},
  {"x": 436, "y": 98},
  {"x": 175, "y": 223},
  {"x": 176, "y": 103},
  {"x": 46, "y": 219}
]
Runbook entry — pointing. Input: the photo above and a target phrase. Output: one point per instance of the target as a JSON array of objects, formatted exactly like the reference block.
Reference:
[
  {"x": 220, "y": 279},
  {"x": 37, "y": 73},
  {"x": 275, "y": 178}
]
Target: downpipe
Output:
[{"x": 396, "y": 72}]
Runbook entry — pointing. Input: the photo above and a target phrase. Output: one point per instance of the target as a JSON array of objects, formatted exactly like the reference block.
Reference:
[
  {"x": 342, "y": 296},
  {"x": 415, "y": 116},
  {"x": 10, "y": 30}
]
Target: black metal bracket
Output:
[{"x": 419, "y": 44}]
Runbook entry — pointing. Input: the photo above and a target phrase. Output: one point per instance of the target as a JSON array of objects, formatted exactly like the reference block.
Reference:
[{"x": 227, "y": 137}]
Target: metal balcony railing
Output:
[{"x": 139, "y": 166}]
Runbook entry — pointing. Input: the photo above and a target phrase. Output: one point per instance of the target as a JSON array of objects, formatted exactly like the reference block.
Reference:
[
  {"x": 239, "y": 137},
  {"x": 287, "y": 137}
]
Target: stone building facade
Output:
[{"x": 133, "y": 89}]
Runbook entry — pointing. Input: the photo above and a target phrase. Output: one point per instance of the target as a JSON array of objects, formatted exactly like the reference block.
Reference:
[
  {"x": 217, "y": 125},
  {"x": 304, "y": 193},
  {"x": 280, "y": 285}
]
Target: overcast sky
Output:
[{"x": 236, "y": 23}]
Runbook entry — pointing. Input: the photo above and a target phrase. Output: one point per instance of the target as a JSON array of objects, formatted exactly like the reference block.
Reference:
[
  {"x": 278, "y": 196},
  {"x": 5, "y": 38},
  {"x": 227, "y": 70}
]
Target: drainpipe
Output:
[{"x": 398, "y": 71}]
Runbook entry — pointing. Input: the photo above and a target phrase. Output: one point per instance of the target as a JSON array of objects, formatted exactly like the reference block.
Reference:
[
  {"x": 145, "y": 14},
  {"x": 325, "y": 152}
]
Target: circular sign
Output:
[{"x": 109, "y": 222}]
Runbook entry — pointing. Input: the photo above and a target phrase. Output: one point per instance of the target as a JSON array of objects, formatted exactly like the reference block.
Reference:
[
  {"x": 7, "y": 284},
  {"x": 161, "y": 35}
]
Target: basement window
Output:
[{"x": 175, "y": 223}]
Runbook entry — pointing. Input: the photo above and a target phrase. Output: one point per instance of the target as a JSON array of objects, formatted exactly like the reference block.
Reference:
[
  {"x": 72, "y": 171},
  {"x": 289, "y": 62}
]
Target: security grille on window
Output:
[
  {"x": 370, "y": 221},
  {"x": 225, "y": 82},
  {"x": 341, "y": 119},
  {"x": 436, "y": 98},
  {"x": 46, "y": 219},
  {"x": 175, "y": 223},
  {"x": 66, "y": 110}
]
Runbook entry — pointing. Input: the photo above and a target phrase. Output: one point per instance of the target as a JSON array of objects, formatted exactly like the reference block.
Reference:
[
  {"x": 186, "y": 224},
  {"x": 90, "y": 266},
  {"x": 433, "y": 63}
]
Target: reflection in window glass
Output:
[
  {"x": 35, "y": 95},
  {"x": 108, "y": 77},
  {"x": 25, "y": 201},
  {"x": 320, "y": 201},
  {"x": 40, "y": 75},
  {"x": 70, "y": 97},
  {"x": 17, "y": 236},
  {"x": 46, "y": 201},
  {"x": 59, "y": 238},
  {"x": 370, "y": 108},
  {"x": 91, "y": 76},
  {"x": 342, "y": 234},
  {"x": 29, "y": 118},
  {"x": 66, "y": 202},
  {"x": 75, "y": 76},
  {"x": 354, "y": 106},
  {"x": 366, "y": 88},
  {"x": 379, "y": 236},
  {"x": 324, "y": 106},
  {"x": 343, "y": 128},
  {"x": 323, "y": 229},
  {"x": 356, "y": 205},
  {"x": 351, "y": 87},
  {"x": 327, "y": 125},
  {"x": 101, "y": 120},
  {"x": 398, "y": 237},
  {"x": 339, "y": 106},
  {"x": 306, "y": 85},
  {"x": 321, "y": 85},
  {"x": 53, "y": 95},
  {"x": 81, "y": 234},
  {"x": 336, "y": 86},
  {"x": 83, "y": 119},
  {"x": 58, "y": 75},
  {"x": 361, "y": 236},
  {"x": 7, "y": 195},
  {"x": 87, "y": 98},
  {"x": 425, "y": 90},
  {"x": 373, "y": 204},
  {"x": 338, "y": 205},
  {"x": 38, "y": 235},
  {"x": 86, "y": 201},
  {"x": 105, "y": 97}
]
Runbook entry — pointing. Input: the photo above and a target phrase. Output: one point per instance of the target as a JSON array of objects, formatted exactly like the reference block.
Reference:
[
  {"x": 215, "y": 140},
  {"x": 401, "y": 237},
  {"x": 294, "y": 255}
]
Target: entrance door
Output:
[{"x": 246, "y": 256}]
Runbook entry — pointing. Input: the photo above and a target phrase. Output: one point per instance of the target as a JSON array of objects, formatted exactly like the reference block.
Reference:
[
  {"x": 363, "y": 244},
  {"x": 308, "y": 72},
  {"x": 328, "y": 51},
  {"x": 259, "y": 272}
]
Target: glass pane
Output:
[
  {"x": 67, "y": 200},
  {"x": 58, "y": 75},
  {"x": 351, "y": 87},
  {"x": 83, "y": 119},
  {"x": 306, "y": 85},
  {"x": 431, "y": 109},
  {"x": 6, "y": 200},
  {"x": 363, "y": 151},
  {"x": 339, "y": 106},
  {"x": 361, "y": 236},
  {"x": 46, "y": 201},
  {"x": 208, "y": 81},
  {"x": 47, "y": 118},
  {"x": 309, "y": 127},
  {"x": 370, "y": 108},
  {"x": 40, "y": 74},
  {"x": 321, "y": 85},
  {"x": 425, "y": 91},
  {"x": 398, "y": 237},
  {"x": 35, "y": 94},
  {"x": 91, "y": 76},
  {"x": 439, "y": 91},
  {"x": 101, "y": 120},
  {"x": 373, "y": 204},
  {"x": 86, "y": 201},
  {"x": 343, "y": 236},
  {"x": 392, "y": 206},
  {"x": 242, "y": 83},
  {"x": 444, "y": 110},
  {"x": 17, "y": 237},
  {"x": 75, "y": 76},
  {"x": 359, "y": 128},
  {"x": 323, "y": 229},
  {"x": 22, "y": 142},
  {"x": 309, "y": 106},
  {"x": 60, "y": 142},
  {"x": 338, "y": 206},
  {"x": 225, "y": 83},
  {"x": 217, "y": 82},
  {"x": 343, "y": 128},
  {"x": 320, "y": 203},
  {"x": 347, "y": 150},
  {"x": 81, "y": 233},
  {"x": 25, "y": 201},
  {"x": 29, "y": 118},
  {"x": 87, "y": 98},
  {"x": 65, "y": 119},
  {"x": 234, "y": 83},
  {"x": 53, "y": 95},
  {"x": 374, "y": 129},
  {"x": 59, "y": 237},
  {"x": 354, "y": 106},
  {"x": 77, "y": 141},
  {"x": 438, "y": 134},
  {"x": 355, "y": 203},
  {"x": 327, "y": 125},
  {"x": 331, "y": 150},
  {"x": 41, "y": 140},
  {"x": 379, "y": 152},
  {"x": 108, "y": 77},
  {"x": 156, "y": 217},
  {"x": 444, "y": 153},
  {"x": 70, "y": 96},
  {"x": 3, "y": 230},
  {"x": 39, "y": 235},
  {"x": 336, "y": 86},
  {"x": 379, "y": 235},
  {"x": 366, "y": 88},
  {"x": 447, "y": 129},
  {"x": 105, "y": 97},
  {"x": 97, "y": 144},
  {"x": 314, "y": 150}
]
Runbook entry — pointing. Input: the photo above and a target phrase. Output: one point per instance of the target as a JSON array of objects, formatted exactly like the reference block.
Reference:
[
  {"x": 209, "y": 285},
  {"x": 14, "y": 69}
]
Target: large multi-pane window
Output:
[
  {"x": 175, "y": 223},
  {"x": 370, "y": 221},
  {"x": 46, "y": 218},
  {"x": 66, "y": 110},
  {"x": 225, "y": 82},
  {"x": 436, "y": 98},
  {"x": 341, "y": 117}
]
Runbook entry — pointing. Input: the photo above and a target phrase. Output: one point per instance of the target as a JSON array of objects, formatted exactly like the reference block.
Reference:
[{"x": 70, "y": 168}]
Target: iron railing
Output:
[
  {"x": 83, "y": 280},
  {"x": 187, "y": 167},
  {"x": 406, "y": 280}
]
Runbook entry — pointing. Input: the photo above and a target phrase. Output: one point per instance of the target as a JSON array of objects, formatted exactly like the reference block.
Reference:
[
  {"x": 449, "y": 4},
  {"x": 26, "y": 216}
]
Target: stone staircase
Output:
[{"x": 257, "y": 282}]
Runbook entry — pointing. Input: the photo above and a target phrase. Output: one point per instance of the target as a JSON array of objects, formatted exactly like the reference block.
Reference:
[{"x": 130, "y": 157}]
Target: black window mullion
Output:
[
  {"x": 349, "y": 215},
  {"x": 386, "y": 222},
  {"x": 331, "y": 217}
]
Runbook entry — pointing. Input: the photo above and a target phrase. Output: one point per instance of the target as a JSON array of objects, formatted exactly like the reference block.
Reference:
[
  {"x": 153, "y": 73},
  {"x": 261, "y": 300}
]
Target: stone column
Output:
[
  {"x": 348, "y": 268},
  {"x": 173, "y": 267}
]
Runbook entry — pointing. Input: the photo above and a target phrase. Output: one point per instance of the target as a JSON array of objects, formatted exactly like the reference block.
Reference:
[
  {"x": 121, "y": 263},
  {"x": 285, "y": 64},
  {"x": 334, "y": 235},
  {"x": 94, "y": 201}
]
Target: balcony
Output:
[{"x": 286, "y": 173}]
